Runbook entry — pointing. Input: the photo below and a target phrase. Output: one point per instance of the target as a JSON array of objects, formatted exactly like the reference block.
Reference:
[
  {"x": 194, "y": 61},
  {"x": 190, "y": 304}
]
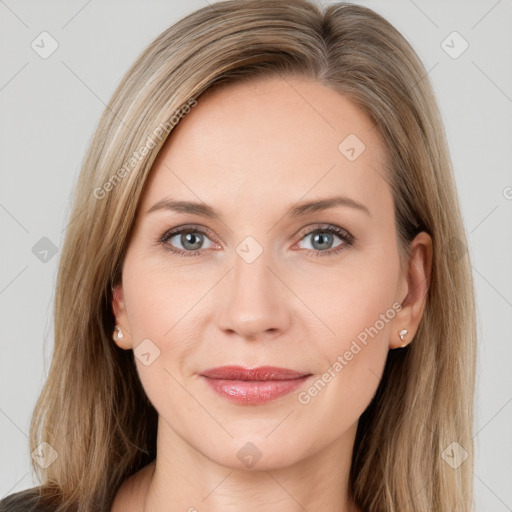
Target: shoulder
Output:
[{"x": 24, "y": 501}]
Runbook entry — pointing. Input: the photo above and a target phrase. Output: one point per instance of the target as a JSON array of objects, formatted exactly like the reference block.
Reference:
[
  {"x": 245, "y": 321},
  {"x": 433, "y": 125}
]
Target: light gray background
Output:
[{"x": 50, "y": 108}]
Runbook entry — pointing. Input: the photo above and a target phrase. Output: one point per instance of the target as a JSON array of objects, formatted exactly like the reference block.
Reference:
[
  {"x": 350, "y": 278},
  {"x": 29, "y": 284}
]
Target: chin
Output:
[{"x": 256, "y": 453}]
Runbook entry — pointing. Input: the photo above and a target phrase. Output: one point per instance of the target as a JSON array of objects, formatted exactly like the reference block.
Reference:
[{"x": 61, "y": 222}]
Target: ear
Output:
[
  {"x": 416, "y": 284},
  {"x": 121, "y": 317}
]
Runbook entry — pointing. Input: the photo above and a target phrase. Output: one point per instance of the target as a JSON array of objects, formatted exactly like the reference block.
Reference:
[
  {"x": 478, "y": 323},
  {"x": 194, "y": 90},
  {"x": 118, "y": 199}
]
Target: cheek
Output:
[
  {"x": 159, "y": 297},
  {"x": 353, "y": 361},
  {"x": 352, "y": 299},
  {"x": 360, "y": 316},
  {"x": 162, "y": 304}
]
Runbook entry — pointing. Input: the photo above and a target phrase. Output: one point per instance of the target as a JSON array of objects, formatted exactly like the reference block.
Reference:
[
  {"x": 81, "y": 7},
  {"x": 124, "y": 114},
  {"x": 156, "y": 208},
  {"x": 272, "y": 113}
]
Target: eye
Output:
[
  {"x": 190, "y": 239},
  {"x": 322, "y": 240}
]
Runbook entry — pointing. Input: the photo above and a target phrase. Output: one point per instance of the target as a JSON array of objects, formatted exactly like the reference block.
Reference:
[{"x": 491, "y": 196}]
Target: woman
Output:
[{"x": 210, "y": 354}]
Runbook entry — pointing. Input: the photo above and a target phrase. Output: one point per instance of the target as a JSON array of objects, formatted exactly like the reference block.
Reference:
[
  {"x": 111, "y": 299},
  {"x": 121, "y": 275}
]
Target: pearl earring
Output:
[
  {"x": 118, "y": 334},
  {"x": 402, "y": 334}
]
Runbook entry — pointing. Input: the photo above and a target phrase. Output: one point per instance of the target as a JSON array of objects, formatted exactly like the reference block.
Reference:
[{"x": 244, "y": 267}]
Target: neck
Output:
[{"x": 181, "y": 478}]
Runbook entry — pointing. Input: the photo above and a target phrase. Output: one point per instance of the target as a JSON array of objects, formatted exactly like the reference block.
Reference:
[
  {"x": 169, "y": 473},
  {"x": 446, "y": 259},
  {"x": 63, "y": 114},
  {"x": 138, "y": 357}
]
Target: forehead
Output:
[{"x": 277, "y": 140}]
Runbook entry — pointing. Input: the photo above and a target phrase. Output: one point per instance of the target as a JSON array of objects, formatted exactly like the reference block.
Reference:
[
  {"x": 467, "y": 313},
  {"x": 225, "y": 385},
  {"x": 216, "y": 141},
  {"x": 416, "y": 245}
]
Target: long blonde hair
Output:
[{"x": 93, "y": 410}]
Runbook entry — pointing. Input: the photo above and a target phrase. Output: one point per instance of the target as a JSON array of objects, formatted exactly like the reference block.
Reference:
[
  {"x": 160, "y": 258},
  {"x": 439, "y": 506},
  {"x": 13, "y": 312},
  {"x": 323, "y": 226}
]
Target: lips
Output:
[
  {"x": 251, "y": 386},
  {"x": 256, "y": 374}
]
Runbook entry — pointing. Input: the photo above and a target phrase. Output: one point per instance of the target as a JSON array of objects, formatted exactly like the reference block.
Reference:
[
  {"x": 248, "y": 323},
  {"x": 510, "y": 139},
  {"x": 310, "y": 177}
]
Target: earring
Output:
[
  {"x": 402, "y": 334},
  {"x": 118, "y": 334}
]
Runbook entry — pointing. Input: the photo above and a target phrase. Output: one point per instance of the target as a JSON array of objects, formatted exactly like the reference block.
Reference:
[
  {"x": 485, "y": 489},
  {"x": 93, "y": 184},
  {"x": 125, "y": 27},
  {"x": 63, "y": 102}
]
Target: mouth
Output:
[{"x": 253, "y": 385}]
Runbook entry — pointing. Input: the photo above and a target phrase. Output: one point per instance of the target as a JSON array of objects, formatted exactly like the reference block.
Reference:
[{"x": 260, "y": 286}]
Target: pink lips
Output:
[{"x": 253, "y": 385}]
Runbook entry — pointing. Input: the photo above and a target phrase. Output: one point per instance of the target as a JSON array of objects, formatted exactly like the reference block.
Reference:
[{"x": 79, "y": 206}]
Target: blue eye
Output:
[
  {"x": 319, "y": 239},
  {"x": 191, "y": 239}
]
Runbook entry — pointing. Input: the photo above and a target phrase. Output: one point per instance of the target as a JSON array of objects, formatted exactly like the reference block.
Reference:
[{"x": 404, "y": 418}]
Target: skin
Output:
[{"x": 251, "y": 151}]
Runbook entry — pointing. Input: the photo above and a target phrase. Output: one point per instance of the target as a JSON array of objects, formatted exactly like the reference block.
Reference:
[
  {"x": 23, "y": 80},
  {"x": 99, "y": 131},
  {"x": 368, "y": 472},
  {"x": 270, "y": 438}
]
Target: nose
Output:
[{"x": 253, "y": 301}]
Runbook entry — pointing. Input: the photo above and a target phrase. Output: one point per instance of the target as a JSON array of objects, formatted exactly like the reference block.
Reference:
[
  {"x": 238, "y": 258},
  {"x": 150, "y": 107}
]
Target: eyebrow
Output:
[{"x": 298, "y": 210}]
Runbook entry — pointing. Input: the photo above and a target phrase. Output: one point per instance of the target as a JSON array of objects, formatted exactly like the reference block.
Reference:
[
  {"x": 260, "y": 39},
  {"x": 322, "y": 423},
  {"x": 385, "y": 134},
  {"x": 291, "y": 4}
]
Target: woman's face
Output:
[{"x": 256, "y": 280}]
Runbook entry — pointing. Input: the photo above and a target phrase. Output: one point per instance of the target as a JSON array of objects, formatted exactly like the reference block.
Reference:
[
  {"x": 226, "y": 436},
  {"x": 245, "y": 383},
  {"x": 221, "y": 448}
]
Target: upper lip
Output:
[{"x": 253, "y": 374}]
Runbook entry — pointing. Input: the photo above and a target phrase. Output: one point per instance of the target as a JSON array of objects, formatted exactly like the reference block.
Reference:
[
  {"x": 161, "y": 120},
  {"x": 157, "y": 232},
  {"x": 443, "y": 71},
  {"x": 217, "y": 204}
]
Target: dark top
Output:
[{"x": 25, "y": 501}]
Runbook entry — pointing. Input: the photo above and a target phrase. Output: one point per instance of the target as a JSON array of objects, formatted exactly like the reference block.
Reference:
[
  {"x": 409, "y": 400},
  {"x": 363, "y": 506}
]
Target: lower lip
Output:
[{"x": 254, "y": 392}]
